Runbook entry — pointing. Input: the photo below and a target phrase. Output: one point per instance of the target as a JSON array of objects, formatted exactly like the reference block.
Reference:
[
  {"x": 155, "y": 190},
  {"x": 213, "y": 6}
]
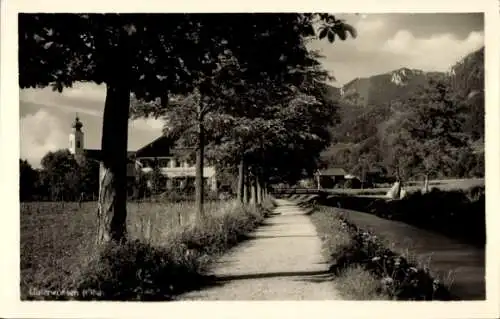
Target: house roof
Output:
[
  {"x": 160, "y": 147},
  {"x": 333, "y": 171}
]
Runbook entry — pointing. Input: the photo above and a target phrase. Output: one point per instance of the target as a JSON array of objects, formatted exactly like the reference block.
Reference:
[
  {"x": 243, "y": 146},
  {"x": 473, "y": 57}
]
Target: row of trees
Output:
[
  {"x": 427, "y": 134},
  {"x": 59, "y": 178},
  {"x": 239, "y": 79}
]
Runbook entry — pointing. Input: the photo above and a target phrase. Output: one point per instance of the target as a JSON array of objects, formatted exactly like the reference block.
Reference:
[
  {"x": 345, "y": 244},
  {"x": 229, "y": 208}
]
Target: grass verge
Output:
[
  {"x": 459, "y": 214},
  {"x": 146, "y": 269},
  {"x": 365, "y": 269}
]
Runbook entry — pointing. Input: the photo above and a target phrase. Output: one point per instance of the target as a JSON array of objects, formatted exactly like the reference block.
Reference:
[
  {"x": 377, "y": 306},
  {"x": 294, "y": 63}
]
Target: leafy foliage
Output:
[
  {"x": 203, "y": 56},
  {"x": 60, "y": 178},
  {"x": 260, "y": 106}
]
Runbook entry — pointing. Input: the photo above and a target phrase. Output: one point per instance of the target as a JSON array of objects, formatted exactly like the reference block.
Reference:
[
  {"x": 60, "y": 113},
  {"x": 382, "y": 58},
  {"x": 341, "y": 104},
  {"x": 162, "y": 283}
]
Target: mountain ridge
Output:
[
  {"x": 466, "y": 75},
  {"x": 366, "y": 110}
]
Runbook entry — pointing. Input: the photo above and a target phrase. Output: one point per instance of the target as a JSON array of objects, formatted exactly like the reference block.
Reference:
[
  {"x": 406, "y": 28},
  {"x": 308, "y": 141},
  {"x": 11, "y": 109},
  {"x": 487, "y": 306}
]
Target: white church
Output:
[{"x": 176, "y": 164}]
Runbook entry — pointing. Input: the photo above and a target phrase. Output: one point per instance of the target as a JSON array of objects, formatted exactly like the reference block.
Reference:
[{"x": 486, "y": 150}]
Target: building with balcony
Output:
[{"x": 176, "y": 164}]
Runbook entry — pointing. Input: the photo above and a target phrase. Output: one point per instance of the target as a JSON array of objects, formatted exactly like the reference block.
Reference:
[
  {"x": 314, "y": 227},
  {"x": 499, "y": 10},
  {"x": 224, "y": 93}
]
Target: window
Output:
[
  {"x": 77, "y": 144},
  {"x": 146, "y": 162},
  {"x": 163, "y": 163}
]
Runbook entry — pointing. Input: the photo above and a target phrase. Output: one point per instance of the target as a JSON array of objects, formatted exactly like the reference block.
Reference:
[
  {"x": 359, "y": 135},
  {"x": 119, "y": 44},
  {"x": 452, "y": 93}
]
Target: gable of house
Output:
[{"x": 161, "y": 147}]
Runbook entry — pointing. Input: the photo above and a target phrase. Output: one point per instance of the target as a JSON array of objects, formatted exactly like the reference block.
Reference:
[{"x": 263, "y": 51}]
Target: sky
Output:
[{"x": 385, "y": 42}]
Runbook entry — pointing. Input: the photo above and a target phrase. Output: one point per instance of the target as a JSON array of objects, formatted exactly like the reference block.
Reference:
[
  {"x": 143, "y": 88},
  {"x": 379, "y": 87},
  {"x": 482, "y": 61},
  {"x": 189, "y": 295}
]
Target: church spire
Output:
[{"x": 77, "y": 124}]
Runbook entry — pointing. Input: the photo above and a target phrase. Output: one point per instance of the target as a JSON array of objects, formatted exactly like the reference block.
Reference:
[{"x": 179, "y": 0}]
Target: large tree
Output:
[
  {"x": 243, "y": 82},
  {"x": 152, "y": 56},
  {"x": 429, "y": 137}
]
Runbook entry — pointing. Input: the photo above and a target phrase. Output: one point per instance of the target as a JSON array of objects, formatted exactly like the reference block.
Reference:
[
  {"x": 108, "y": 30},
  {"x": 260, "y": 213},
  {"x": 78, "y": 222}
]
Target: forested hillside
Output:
[{"x": 420, "y": 123}]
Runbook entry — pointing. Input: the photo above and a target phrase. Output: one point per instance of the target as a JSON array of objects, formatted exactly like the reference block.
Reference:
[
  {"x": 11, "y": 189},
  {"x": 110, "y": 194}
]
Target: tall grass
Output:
[
  {"x": 366, "y": 268},
  {"x": 168, "y": 251}
]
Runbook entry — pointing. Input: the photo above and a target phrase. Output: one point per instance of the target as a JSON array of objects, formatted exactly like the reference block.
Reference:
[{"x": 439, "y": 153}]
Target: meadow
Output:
[{"x": 58, "y": 250}]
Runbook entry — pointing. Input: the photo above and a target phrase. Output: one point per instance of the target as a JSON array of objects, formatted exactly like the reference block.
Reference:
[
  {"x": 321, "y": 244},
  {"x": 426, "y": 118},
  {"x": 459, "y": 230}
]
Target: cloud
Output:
[
  {"x": 85, "y": 98},
  {"x": 437, "y": 52},
  {"x": 82, "y": 98},
  {"x": 65, "y": 108},
  {"x": 44, "y": 131},
  {"x": 36, "y": 140},
  {"x": 388, "y": 42},
  {"x": 369, "y": 32}
]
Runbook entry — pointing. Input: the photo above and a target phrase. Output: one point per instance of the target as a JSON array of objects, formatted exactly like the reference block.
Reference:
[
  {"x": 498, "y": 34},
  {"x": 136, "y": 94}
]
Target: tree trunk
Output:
[
  {"x": 426, "y": 184},
  {"x": 112, "y": 202},
  {"x": 258, "y": 189},
  {"x": 253, "y": 189},
  {"x": 246, "y": 186},
  {"x": 363, "y": 178},
  {"x": 264, "y": 188},
  {"x": 241, "y": 180},
  {"x": 199, "y": 170}
]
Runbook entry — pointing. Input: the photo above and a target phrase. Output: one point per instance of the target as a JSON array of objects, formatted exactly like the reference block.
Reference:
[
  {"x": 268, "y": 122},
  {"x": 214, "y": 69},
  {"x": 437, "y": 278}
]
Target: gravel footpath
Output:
[{"x": 282, "y": 260}]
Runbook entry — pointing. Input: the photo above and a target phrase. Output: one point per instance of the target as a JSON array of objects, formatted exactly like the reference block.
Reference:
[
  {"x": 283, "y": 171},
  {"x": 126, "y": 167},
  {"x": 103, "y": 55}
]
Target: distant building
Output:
[
  {"x": 176, "y": 164},
  {"x": 327, "y": 178}
]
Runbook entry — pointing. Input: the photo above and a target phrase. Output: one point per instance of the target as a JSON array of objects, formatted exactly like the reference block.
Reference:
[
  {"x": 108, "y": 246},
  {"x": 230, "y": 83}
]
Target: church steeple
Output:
[
  {"x": 76, "y": 138},
  {"x": 77, "y": 125}
]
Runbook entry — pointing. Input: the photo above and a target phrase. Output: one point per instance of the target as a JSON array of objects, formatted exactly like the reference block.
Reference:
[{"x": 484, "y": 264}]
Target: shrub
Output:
[
  {"x": 149, "y": 271},
  {"x": 400, "y": 279},
  {"x": 365, "y": 269}
]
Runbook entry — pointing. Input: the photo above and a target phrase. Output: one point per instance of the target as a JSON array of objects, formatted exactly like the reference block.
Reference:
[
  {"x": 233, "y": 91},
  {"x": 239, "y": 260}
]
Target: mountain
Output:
[
  {"x": 466, "y": 77},
  {"x": 366, "y": 113},
  {"x": 383, "y": 88}
]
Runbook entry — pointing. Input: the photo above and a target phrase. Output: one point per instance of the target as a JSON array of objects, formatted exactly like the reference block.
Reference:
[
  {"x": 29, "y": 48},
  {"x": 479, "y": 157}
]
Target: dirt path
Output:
[{"x": 281, "y": 261}]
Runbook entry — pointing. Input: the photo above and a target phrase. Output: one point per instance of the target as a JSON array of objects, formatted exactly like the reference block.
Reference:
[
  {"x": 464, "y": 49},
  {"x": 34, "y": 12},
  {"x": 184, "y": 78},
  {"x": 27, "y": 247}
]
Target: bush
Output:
[
  {"x": 400, "y": 280},
  {"x": 145, "y": 272},
  {"x": 365, "y": 269}
]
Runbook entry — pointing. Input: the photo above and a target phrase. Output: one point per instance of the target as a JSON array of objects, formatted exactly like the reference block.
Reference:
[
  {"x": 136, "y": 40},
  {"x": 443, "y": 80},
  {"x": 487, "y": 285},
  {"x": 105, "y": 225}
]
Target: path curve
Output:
[{"x": 282, "y": 260}]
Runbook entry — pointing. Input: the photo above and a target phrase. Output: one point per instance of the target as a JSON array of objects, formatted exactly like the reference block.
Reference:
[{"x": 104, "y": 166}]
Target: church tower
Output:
[{"x": 76, "y": 138}]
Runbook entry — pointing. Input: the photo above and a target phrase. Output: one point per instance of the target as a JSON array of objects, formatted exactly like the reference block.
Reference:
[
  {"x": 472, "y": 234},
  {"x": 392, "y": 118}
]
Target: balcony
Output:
[{"x": 208, "y": 171}]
